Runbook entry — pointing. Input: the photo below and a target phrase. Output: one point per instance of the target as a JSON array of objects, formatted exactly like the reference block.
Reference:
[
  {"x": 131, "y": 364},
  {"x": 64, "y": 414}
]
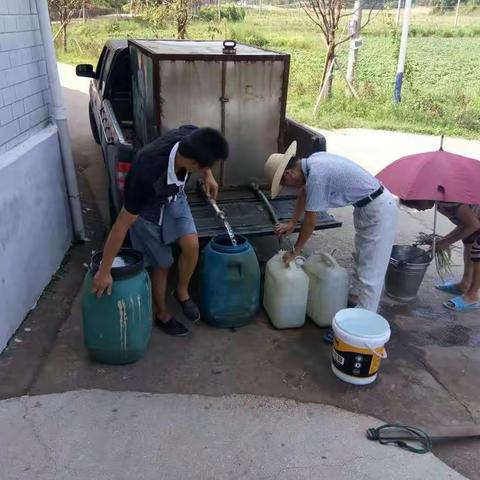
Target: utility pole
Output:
[
  {"x": 456, "y": 13},
  {"x": 84, "y": 12},
  {"x": 397, "y": 95},
  {"x": 355, "y": 41},
  {"x": 399, "y": 9}
]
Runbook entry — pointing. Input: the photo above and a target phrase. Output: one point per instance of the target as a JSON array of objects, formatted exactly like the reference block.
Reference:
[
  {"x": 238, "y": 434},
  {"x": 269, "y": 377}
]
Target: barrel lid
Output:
[
  {"x": 127, "y": 263},
  {"x": 361, "y": 323}
]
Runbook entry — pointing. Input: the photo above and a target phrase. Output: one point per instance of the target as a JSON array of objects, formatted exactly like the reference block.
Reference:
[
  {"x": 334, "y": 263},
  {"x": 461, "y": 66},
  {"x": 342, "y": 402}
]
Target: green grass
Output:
[{"x": 441, "y": 91}]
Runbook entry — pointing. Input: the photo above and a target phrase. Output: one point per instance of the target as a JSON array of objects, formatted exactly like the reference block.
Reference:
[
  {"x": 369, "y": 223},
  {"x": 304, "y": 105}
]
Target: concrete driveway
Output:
[
  {"x": 122, "y": 436},
  {"x": 430, "y": 378}
]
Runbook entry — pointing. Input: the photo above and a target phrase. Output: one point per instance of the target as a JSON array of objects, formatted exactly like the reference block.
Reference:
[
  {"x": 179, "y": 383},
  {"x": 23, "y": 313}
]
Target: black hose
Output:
[{"x": 411, "y": 434}]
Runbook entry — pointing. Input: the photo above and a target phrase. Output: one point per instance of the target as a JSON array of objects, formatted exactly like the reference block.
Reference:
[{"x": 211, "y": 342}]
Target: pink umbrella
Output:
[{"x": 440, "y": 176}]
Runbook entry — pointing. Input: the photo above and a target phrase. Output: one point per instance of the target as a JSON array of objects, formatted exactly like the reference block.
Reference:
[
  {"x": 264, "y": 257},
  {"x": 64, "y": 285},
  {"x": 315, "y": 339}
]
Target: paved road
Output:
[
  {"x": 87, "y": 154},
  {"x": 122, "y": 436},
  {"x": 375, "y": 149}
]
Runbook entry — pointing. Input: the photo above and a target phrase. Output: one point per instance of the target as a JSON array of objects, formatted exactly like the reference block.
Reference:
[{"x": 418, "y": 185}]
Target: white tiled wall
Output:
[{"x": 23, "y": 73}]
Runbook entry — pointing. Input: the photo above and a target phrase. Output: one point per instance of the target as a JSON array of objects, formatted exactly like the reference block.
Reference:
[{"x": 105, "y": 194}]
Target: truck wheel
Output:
[{"x": 93, "y": 125}]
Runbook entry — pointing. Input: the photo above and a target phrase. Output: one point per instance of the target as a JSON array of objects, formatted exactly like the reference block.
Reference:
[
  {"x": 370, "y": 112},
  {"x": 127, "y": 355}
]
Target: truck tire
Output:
[{"x": 93, "y": 124}]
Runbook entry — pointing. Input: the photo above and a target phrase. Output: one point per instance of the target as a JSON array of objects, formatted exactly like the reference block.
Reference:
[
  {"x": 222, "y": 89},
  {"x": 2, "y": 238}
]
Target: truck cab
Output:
[{"x": 140, "y": 89}]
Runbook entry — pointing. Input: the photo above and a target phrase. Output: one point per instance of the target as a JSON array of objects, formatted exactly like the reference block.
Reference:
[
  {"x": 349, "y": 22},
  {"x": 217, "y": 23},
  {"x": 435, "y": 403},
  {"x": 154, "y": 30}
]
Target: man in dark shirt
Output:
[{"x": 157, "y": 214}]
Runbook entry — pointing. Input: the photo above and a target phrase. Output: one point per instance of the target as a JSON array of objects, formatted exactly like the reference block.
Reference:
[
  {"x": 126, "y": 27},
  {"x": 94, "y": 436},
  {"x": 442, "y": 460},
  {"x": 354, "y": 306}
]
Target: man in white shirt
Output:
[{"x": 329, "y": 181}]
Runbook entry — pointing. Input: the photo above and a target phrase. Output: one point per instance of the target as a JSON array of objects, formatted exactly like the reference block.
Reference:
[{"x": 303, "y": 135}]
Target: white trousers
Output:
[{"x": 375, "y": 226}]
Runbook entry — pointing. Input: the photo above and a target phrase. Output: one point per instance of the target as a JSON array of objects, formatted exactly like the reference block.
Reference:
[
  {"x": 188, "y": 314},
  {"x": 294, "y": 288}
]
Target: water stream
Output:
[
  {"x": 230, "y": 232},
  {"x": 221, "y": 215}
]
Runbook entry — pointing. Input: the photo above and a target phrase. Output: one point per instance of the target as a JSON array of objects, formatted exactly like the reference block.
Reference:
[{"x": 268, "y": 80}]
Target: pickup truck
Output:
[{"x": 112, "y": 118}]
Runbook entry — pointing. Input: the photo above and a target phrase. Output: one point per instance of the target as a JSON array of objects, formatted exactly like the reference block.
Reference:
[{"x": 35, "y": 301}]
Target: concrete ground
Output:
[
  {"x": 429, "y": 379},
  {"x": 119, "y": 436}
]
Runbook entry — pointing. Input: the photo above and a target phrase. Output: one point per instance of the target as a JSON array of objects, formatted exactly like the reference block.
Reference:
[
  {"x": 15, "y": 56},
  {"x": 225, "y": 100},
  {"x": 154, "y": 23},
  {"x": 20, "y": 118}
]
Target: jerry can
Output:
[
  {"x": 328, "y": 290},
  {"x": 285, "y": 292}
]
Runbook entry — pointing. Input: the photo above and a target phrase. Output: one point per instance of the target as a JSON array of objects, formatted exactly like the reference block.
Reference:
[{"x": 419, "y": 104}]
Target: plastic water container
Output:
[
  {"x": 285, "y": 292},
  {"x": 328, "y": 291},
  {"x": 117, "y": 327},
  {"x": 358, "y": 346},
  {"x": 230, "y": 282}
]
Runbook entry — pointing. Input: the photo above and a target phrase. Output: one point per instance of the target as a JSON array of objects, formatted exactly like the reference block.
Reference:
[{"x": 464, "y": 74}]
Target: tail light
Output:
[{"x": 122, "y": 171}]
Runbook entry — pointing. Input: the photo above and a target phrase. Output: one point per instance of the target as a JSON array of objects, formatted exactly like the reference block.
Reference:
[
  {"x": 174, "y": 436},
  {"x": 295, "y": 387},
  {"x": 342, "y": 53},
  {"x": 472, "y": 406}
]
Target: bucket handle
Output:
[{"x": 382, "y": 355}]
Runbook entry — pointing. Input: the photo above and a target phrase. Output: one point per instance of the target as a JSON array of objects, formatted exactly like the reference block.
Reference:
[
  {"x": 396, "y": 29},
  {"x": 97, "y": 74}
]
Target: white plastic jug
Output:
[
  {"x": 285, "y": 292},
  {"x": 328, "y": 292}
]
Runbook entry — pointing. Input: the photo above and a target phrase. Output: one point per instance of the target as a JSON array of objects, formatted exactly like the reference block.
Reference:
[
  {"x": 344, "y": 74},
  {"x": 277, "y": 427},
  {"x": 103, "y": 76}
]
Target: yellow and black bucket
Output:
[{"x": 358, "y": 346}]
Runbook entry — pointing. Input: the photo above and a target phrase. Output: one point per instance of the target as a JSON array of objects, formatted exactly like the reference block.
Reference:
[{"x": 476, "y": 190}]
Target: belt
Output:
[{"x": 365, "y": 201}]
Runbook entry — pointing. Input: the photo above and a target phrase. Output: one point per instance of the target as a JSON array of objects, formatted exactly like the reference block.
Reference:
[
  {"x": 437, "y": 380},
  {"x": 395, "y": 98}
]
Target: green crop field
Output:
[{"x": 442, "y": 81}]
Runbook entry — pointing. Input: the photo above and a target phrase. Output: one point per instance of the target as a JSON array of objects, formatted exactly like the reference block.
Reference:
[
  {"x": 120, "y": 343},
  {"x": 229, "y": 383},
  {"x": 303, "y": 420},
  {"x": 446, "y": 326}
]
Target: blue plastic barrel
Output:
[{"x": 230, "y": 282}]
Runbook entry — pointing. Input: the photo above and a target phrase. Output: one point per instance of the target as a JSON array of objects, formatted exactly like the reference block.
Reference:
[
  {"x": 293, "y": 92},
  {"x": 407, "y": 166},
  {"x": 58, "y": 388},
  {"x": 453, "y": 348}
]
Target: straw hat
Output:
[{"x": 275, "y": 166}]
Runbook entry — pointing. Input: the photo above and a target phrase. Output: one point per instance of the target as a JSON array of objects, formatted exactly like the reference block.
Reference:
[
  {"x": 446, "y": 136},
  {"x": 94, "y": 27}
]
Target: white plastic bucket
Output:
[{"x": 358, "y": 346}]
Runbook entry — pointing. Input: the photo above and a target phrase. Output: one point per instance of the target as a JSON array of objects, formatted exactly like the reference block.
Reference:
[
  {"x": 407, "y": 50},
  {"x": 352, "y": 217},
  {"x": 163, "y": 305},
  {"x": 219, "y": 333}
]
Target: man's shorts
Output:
[{"x": 154, "y": 240}]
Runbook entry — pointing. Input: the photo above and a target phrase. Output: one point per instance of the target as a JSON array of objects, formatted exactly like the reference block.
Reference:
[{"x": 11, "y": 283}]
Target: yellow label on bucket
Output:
[{"x": 356, "y": 361}]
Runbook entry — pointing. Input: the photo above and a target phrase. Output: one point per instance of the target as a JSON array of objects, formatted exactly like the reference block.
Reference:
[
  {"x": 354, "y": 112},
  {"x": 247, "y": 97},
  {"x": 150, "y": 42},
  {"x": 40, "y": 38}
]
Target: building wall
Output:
[
  {"x": 24, "y": 94},
  {"x": 35, "y": 224}
]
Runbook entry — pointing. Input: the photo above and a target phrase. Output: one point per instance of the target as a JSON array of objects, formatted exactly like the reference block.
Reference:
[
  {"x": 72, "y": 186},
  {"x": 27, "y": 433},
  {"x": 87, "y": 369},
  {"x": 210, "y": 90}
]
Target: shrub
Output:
[
  {"x": 230, "y": 13},
  {"x": 256, "y": 39}
]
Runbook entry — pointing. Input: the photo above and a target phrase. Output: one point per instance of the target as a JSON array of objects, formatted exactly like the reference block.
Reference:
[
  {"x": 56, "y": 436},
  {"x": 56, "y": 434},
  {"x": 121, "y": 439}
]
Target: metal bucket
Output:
[{"x": 405, "y": 272}]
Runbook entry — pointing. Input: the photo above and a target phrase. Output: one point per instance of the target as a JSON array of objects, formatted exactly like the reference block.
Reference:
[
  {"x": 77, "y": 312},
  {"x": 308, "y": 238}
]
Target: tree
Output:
[
  {"x": 157, "y": 12},
  {"x": 183, "y": 14},
  {"x": 327, "y": 15},
  {"x": 64, "y": 10}
]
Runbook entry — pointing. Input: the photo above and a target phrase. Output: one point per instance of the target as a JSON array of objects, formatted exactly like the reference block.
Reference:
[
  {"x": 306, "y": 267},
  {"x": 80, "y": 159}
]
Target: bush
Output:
[
  {"x": 156, "y": 16},
  {"x": 230, "y": 13},
  {"x": 256, "y": 39},
  {"x": 249, "y": 37},
  {"x": 113, "y": 28}
]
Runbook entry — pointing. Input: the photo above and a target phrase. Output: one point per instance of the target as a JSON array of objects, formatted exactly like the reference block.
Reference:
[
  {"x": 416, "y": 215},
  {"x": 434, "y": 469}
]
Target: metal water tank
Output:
[{"x": 238, "y": 89}]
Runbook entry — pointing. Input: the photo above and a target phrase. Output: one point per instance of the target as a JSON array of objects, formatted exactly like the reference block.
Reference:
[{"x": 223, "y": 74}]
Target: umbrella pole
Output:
[{"x": 434, "y": 243}]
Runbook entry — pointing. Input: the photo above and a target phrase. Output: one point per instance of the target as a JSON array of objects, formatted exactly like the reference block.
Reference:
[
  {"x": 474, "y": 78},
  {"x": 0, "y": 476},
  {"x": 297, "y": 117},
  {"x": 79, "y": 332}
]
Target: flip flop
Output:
[
  {"x": 458, "y": 304},
  {"x": 449, "y": 287},
  {"x": 328, "y": 338}
]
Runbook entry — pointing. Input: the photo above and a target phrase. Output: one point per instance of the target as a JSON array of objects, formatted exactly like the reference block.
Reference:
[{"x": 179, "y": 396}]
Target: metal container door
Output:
[
  {"x": 190, "y": 94},
  {"x": 253, "y": 116},
  {"x": 143, "y": 95}
]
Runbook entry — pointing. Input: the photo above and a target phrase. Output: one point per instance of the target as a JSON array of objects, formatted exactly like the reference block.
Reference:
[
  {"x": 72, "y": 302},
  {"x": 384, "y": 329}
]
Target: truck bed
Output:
[{"x": 246, "y": 213}]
